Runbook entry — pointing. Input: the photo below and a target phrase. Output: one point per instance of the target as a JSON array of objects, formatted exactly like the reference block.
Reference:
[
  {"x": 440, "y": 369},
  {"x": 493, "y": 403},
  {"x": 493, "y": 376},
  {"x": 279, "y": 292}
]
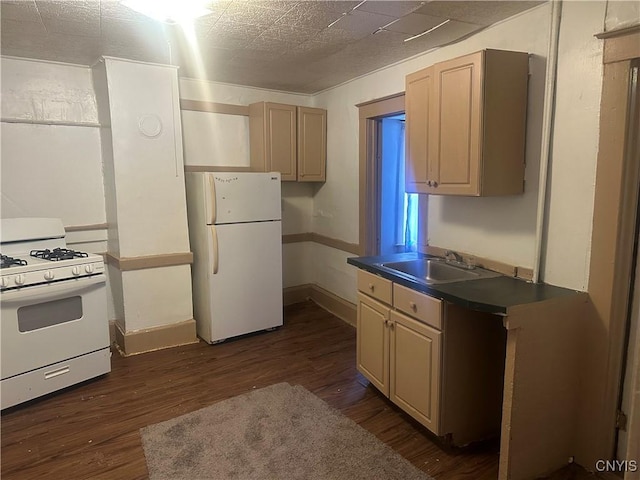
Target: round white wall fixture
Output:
[{"x": 150, "y": 125}]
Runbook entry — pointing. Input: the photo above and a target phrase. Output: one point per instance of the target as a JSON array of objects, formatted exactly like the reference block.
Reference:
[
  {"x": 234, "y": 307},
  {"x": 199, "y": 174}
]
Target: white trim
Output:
[{"x": 140, "y": 62}]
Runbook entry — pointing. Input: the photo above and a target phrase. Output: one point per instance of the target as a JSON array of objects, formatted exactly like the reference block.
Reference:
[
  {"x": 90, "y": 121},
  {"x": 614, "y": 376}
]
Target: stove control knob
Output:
[
  {"x": 19, "y": 280},
  {"x": 4, "y": 282},
  {"x": 75, "y": 271},
  {"x": 88, "y": 269},
  {"x": 48, "y": 275}
]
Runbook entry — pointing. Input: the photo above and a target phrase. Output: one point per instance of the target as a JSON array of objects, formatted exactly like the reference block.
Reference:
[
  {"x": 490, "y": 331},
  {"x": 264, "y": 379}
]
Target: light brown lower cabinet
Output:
[
  {"x": 448, "y": 378},
  {"x": 401, "y": 358},
  {"x": 373, "y": 342},
  {"x": 415, "y": 390}
]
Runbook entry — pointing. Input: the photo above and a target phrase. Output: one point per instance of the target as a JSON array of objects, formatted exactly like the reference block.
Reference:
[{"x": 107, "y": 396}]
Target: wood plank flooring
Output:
[{"x": 91, "y": 430}]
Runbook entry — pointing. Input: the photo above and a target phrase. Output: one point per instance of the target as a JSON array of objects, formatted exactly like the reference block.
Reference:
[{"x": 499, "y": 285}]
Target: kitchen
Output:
[{"x": 499, "y": 228}]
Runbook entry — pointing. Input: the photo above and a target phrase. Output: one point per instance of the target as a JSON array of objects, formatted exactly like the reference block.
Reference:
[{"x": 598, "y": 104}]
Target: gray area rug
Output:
[{"x": 278, "y": 432}]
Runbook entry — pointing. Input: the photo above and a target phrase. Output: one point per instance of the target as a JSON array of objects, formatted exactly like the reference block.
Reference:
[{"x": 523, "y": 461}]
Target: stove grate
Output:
[
  {"x": 57, "y": 254},
  {"x": 6, "y": 261}
]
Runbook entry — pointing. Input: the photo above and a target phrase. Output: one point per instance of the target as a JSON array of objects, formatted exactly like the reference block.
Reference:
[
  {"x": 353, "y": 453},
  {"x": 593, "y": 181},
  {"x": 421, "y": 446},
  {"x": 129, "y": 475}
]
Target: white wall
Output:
[
  {"x": 572, "y": 169},
  {"x": 622, "y": 14},
  {"x": 60, "y": 164},
  {"x": 215, "y": 139},
  {"x": 501, "y": 228},
  {"x": 297, "y": 207},
  {"x": 52, "y": 170},
  {"x": 39, "y": 90},
  {"x": 221, "y": 140},
  {"x": 498, "y": 228}
]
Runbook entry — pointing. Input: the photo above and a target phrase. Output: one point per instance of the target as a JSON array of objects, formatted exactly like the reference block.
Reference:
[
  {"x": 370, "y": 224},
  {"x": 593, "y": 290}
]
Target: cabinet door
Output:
[
  {"x": 415, "y": 369},
  {"x": 312, "y": 144},
  {"x": 456, "y": 125},
  {"x": 419, "y": 90},
  {"x": 372, "y": 346},
  {"x": 280, "y": 139}
]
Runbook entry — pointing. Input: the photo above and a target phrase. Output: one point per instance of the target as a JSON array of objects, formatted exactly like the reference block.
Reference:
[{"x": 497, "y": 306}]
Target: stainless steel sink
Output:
[{"x": 435, "y": 271}]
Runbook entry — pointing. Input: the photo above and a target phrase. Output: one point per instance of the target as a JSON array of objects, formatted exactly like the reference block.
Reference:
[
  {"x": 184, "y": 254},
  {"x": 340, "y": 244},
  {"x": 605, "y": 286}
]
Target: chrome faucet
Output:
[{"x": 454, "y": 258}]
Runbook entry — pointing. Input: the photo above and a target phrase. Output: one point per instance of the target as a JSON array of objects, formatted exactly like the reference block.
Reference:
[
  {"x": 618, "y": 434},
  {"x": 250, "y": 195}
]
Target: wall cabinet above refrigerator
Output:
[
  {"x": 466, "y": 121},
  {"x": 288, "y": 139}
]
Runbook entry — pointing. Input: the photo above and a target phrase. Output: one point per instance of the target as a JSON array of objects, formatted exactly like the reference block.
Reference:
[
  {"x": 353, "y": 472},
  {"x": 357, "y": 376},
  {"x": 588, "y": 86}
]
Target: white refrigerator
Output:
[{"x": 236, "y": 237}]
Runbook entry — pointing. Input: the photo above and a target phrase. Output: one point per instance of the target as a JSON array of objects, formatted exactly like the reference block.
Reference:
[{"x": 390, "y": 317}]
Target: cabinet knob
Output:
[
  {"x": 371, "y": 287},
  {"x": 392, "y": 325},
  {"x": 413, "y": 306},
  {"x": 429, "y": 182},
  {"x": 386, "y": 323},
  {"x": 435, "y": 184}
]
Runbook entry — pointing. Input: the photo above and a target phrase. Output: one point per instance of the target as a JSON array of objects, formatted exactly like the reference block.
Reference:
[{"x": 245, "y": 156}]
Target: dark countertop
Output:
[{"x": 492, "y": 295}]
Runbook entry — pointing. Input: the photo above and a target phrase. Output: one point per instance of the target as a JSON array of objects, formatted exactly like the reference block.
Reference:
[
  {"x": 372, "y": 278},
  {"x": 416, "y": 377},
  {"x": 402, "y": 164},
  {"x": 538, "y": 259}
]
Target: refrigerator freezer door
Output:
[
  {"x": 246, "y": 291},
  {"x": 246, "y": 197}
]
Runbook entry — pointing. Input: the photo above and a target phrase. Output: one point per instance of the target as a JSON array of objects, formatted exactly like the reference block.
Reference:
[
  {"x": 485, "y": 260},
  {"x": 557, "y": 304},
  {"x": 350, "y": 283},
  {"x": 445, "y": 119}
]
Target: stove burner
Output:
[
  {"x": 57, "y": 254},
  {"x": 6, "y": 261}
]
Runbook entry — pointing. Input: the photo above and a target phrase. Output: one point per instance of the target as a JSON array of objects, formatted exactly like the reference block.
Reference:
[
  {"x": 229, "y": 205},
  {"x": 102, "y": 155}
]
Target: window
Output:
[{"x": 398, "y": 210}]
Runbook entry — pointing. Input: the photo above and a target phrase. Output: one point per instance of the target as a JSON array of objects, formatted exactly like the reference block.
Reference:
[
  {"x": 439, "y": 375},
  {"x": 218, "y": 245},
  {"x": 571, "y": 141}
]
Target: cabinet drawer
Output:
[
  {"x": 375, "y": 286},
  {"x": 418, "y": 305}
]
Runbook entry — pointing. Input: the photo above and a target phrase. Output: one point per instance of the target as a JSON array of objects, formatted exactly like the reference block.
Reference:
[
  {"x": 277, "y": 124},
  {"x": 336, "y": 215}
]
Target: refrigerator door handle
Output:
[
  {"x": 214, "y": 244},
  {"x": 210, "y": 198}
]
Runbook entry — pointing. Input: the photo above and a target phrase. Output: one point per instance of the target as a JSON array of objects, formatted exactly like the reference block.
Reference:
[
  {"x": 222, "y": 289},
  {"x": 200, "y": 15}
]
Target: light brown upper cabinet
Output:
[
  {"x": 312, "y": 144},
  {"x": 418, "y": 93},
  {"x": 288, "y": 139},
  {"x": 466, "y": 122}
]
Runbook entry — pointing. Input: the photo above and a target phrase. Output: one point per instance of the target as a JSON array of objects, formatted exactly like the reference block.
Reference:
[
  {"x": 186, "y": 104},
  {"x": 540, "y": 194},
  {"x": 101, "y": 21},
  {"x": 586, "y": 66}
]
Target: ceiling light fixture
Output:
[
  {"x": 428, "y": 31},
  {"x": 170, "y": 11}
]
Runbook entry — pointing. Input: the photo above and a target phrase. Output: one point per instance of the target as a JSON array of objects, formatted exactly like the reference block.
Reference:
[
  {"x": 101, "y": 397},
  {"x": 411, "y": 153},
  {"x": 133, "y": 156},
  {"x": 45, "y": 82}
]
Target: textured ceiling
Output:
[{"x": 278, "y": 44}]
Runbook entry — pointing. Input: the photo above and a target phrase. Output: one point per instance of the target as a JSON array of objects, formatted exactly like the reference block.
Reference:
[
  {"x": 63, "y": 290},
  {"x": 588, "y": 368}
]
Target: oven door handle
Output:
[{"x": 48, "y": 291}]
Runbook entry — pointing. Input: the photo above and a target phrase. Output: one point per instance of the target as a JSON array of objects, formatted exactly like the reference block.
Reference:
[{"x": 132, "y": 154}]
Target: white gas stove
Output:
[{"x": 54, "y": 328}]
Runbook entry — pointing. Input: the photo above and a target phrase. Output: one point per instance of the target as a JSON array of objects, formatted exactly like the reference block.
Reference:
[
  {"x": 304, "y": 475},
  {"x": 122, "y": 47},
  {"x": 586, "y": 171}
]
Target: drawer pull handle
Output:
[
  {"x": 372, "y": 287},
  {"x": 56, "y": 373},
  {"x": 413, "y": 306}
]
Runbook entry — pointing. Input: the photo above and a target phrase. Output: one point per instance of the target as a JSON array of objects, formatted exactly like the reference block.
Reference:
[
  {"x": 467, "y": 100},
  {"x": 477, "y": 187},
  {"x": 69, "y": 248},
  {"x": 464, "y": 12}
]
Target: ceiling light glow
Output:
[{"x": 170, "y": 11}]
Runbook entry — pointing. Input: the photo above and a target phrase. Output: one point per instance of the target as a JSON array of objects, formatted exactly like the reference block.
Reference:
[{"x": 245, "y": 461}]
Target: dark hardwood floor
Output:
[{"x": 91, "y": 430}]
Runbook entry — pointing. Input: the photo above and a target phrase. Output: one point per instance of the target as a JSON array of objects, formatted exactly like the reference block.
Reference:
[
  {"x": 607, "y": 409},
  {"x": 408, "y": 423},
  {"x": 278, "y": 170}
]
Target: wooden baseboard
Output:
[
  {"x": 335, "y": 243},
  {"x": 322, "y": 240},
  {"x": 297, "y": 237},
  {"x": 112, "y": 332},
  {"x": 214, "y": 107},
  {"x": 125, "y": 264},
  {"x": 297, "y": 294},
  {"x": 341, "y": 308},
  {"x": 332, "y": 303},
  {"x": 86, "y": 228},
  {"x": 157, "y": 338}
]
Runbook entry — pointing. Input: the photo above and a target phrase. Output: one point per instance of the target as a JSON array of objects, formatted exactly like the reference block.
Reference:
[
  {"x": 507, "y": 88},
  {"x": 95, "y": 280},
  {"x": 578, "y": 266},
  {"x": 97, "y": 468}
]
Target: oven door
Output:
[{"x": 45, "y": 324}]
